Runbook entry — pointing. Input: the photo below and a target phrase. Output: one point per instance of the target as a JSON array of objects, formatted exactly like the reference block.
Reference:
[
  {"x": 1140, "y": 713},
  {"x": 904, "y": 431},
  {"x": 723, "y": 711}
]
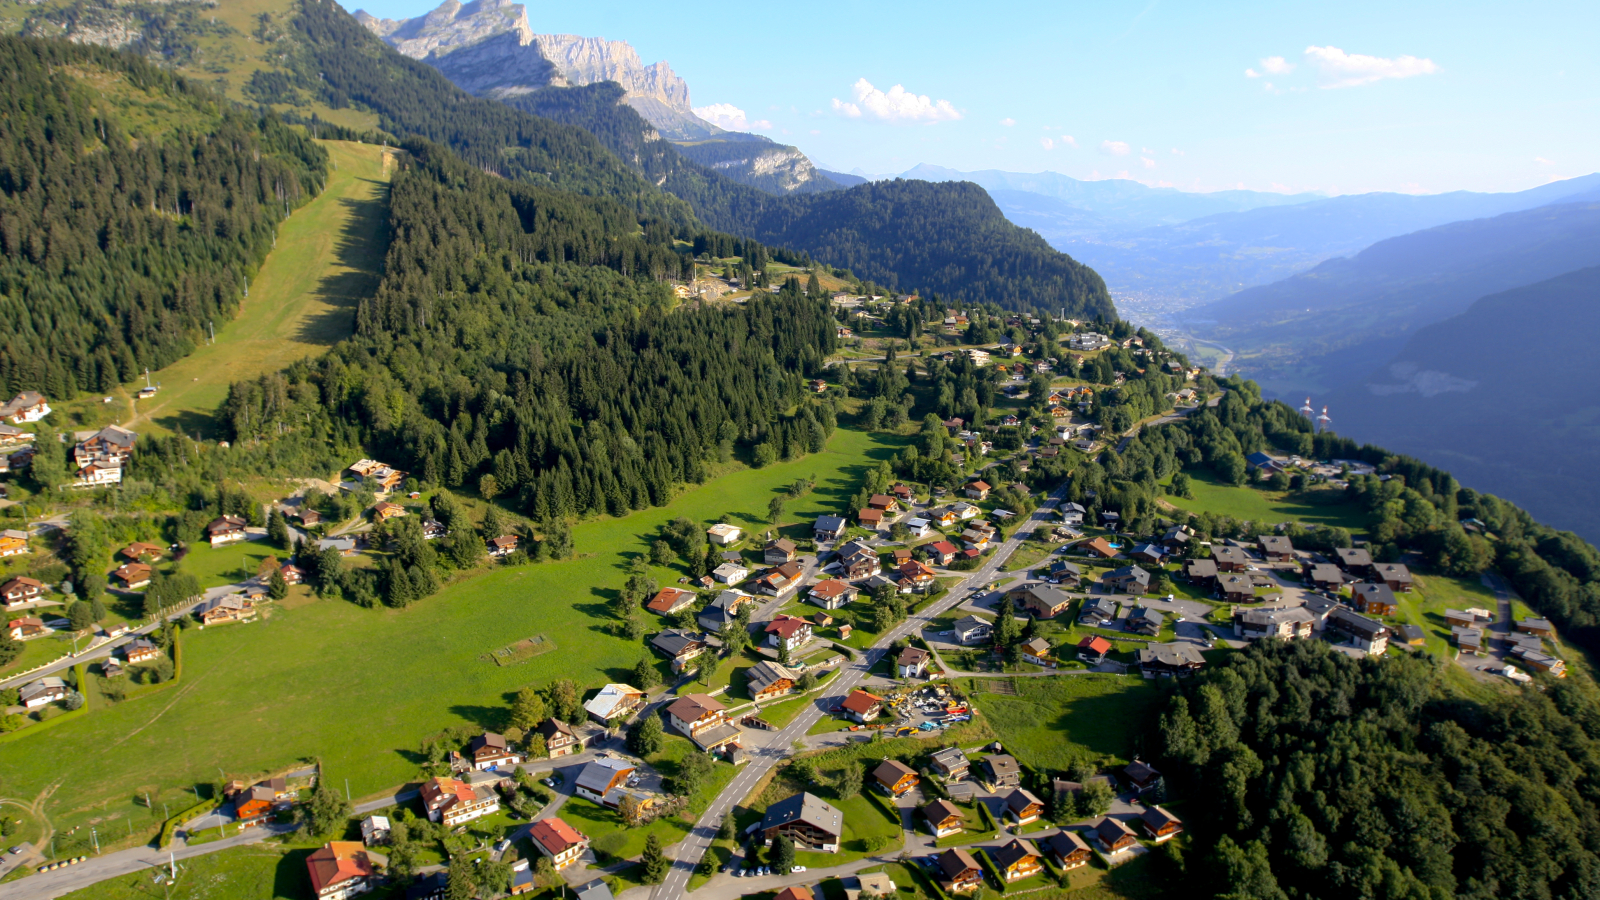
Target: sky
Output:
[{"x": 1347, "y": 97}]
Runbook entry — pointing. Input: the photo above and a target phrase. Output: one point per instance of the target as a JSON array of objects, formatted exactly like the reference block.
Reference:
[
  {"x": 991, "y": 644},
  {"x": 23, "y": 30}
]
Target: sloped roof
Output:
[
  {"x": 807, "y": 808},
  {"x": 555, "y": 835}
]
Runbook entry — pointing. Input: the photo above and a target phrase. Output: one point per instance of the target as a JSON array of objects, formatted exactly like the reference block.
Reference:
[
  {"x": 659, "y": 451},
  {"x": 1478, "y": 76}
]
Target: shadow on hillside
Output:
[
  {"x": 489, "y": 718},
  {"x": 191, "y": 422},
  {"x": 359, "y": 251}
]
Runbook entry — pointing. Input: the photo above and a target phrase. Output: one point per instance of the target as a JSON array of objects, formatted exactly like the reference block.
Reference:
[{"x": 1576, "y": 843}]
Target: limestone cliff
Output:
[{"x": 489, "y": 48}]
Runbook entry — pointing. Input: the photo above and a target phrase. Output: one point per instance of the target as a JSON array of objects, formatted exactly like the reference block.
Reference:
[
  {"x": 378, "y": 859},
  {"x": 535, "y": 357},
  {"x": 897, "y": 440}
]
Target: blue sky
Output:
[{"x": 1336, "y": 97}]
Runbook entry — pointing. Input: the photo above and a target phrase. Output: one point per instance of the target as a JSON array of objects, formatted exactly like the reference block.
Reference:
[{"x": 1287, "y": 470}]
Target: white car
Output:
[{"x": 795, "y": 870}]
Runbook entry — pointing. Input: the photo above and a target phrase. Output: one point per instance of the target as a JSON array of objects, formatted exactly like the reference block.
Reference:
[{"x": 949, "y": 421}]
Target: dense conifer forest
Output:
[
  {"x": 519, "y": 333},
  {"x": 120, "y": 245},
  {"x": 1312, "y": 775},
  {"x": 908, "y": 235}
]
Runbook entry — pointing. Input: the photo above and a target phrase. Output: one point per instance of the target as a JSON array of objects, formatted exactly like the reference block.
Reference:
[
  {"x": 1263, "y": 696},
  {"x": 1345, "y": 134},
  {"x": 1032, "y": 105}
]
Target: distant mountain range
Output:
[
  {"x": 1347, "y": 316},
  {"x": 1198, "y": 247},
  {"x": 1501, "y": 395},
  {"x": 488, "y": 48}
]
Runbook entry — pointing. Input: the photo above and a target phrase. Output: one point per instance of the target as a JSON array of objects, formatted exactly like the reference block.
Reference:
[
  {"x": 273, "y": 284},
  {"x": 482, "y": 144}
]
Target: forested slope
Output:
[
  {"x": 518, "y": 334},
  {"x": 1308, "y": 774},
  {"x": 134, "y": 205}
]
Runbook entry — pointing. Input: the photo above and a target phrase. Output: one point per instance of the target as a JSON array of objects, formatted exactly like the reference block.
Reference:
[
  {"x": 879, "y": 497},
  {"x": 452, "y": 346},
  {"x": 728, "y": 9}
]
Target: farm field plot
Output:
[
  {"x": 1267, "y": 507},
  {"x": 1049, "y": 722},
  {"x": 329, "y": 254},
  {"x": 359, "y": 689}
]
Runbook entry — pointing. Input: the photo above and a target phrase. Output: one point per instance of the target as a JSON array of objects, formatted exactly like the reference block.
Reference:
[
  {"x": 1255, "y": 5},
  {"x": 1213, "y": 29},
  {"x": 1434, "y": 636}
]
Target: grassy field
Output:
[
  {"x": 1434, "y": 594},
  {"x": 1053, "y": 721},
  {"x": 1262, "y": 506},
  {"x": 263, "y": 871},
  {"x": 329, "y": 254},
  {"x": 359, "y": 689}
]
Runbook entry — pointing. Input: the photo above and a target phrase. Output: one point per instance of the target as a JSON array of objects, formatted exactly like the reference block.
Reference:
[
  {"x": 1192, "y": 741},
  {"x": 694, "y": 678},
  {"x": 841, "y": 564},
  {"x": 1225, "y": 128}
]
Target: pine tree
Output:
[
  {"x": 653, "y": 861},
  {"x": 278, "y": 529},
  {"x": 277, "y": 586},
  {"x": 459, "y": 885}
]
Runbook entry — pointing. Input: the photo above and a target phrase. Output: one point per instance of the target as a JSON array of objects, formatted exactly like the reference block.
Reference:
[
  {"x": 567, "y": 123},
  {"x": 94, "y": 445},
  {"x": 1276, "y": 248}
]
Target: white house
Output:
[{"x": 723, "y": 534}]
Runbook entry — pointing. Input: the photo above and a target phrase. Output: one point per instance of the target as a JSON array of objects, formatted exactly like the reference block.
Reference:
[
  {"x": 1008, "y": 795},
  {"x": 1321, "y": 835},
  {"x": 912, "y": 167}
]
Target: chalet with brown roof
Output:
[
  {"x": 671, "y": 600},
  {"x": 252, "y": 805},
  {"x": 1003, "y": 771},
  {"x": 1325, "y": 576},
  {"x": 490, "y": 751},
  {"x": 140, "y": 650},
  {"x": 133, "y": 576},
  {"x": 1070, "y": 850},
  {"x": 1374, "y": 599},
  {"x": 811, "y": 823},
  {"x": 780, "y": 581},
  {"x": 950, "y": 762},
  {"x": 341, "y": 869},
  {"x": 1160, "y": 824},
  {"x": 912, "y": 662},
  {"x": 13, "y": 542},
  {"x": 225, "y": 530},
  {"x": 870, "y": 518},
  {"x": 504, "y": 545},
  {"x": 1229, "y": 559},
  {"x": 779, "y": 551},
  {"x": 863, "y": 706},
  {"x": 20, "y": 590},
  {"x": 959, "y": 873},
  {"x": 1236, "y": 588},
  {"x": 1541, "y": 627},
  {"x": 921, "y": 577},
  {"x": 832, "y": 594},
  {"x": 1276, "y": 547},
  {"x": 1394, "y": 576},
  {"x": 1099, "y": 547},
  {"x": 1141, "y": 775},
  {"x": 139, "y": 551},
  {"x": 977, "y": 490},
  {"x": 229, "y": 608},
  {"x": 902, "y": 492},
  {"x": 895, "y": 777},
  {"x": 451, "y": 802},
  {"x": 383, "y": 511},
  {"x": 1201, "y": 571},
  {"x": 1017, "y": 860},
  {"x": 1355, "y": 560},
  {"x": 766, "y": 680},
  {"x": 883, "y": 503},
  {"x": 560, "y": 739},
  {"x": 25, "y": 407},
  {"x": 26, "y": 627},
  {"x": 292, "y": 574},
  {"x": 558, "y": 841},
  {"x": 944, "y": 818},
  {"x": 1041, "y": 600},
  {"x": 1114, "y": 837},
  {"x": 1023, "y": 806}
]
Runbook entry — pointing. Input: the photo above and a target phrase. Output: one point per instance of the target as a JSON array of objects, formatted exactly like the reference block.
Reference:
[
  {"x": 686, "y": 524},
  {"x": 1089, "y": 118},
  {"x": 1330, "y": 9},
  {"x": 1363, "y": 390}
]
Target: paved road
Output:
[
  {"x": 687, "y": 853},
  {"x": 48, "y": 885}
]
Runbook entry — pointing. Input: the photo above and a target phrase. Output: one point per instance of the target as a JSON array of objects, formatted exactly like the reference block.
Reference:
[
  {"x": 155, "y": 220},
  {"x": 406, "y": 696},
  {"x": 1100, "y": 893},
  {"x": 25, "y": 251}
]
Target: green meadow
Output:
[{"x": 359, "y": 689}]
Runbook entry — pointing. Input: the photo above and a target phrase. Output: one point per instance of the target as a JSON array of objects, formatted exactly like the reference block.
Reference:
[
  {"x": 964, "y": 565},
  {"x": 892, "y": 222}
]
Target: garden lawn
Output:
[
  {"x": 1263, "y": 506},
  {"x": 1053, "y": 721},
  {"x": 359, "y": 689},
  {"x": 228, "y": 564},
  {"x": 1434, "y": 594}
]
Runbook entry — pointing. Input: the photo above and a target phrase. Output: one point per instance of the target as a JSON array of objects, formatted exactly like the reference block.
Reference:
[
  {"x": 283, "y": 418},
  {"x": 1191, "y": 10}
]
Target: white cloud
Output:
[
  {"x": 1271, "y": 65},
  {"x": 1115, "y": 148},
  {"x": 1008, "y": 121},
  {"x": 1068, "y": 140},
  {"x": 1047, "y": 143},
  {"x": 1148, "y": 162},
  {"x": 1542, "y": 161},
  {"x": 726, "y": 115},
  {"x": 894, "y": 104},
  {"x": 1176, "y": 152},
  {"x": 1341, "y": 69}
]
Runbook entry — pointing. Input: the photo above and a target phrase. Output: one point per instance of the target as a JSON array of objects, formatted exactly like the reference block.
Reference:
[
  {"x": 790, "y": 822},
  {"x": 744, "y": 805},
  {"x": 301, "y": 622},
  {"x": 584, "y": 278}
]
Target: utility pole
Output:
[{"x": 347, "y": 790}]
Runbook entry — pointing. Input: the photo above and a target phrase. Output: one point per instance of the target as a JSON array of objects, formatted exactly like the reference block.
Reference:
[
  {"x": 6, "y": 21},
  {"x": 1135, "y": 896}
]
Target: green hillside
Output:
[{"x": 136, "y": 207}]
